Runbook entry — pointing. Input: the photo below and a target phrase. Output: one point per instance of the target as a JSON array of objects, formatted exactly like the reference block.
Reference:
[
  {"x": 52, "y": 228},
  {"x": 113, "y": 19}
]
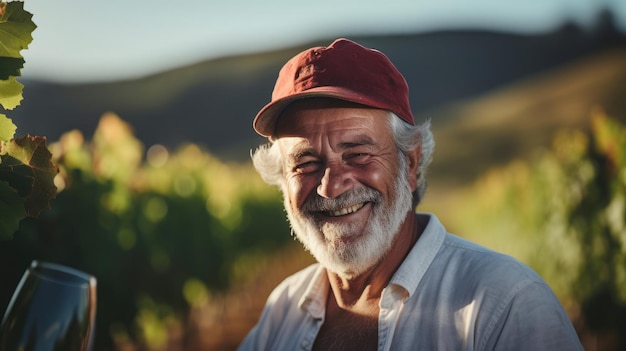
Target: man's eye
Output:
[
  {"x": 306, "y": 167},
  {"x": 359, "y": 156}
]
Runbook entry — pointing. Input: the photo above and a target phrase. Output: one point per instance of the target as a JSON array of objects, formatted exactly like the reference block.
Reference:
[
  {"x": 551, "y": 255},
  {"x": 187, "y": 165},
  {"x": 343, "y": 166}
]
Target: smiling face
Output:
[{"x": 346, "y": 190}]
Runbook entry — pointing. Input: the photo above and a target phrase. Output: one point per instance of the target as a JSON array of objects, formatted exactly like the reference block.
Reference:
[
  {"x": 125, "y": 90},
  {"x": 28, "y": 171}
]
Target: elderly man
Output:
[{"x": 350, "y": 162}]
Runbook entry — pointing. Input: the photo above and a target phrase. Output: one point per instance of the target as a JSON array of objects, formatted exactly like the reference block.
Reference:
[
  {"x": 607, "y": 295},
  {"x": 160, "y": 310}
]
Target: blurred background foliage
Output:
[{"x": 160, "y": 234}]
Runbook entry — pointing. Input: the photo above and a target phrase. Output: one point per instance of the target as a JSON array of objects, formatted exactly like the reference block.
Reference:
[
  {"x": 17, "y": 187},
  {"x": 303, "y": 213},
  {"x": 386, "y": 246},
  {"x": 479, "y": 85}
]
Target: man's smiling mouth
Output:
[{"x": 346, "y": 210}]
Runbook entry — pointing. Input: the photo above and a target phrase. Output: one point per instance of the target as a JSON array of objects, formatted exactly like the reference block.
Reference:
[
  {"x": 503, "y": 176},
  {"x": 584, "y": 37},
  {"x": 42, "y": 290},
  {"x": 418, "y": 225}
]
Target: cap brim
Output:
[{"x": 265, "y": 121}]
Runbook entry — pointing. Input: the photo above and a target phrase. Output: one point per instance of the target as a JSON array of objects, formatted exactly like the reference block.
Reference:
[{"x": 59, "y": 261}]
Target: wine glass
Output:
[{"x": 52, "y": 308}]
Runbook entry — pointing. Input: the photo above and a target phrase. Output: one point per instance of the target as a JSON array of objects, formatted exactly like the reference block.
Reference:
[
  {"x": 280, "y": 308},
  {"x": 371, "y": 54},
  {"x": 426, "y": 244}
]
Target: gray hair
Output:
[{"x": 267, "y": 159}]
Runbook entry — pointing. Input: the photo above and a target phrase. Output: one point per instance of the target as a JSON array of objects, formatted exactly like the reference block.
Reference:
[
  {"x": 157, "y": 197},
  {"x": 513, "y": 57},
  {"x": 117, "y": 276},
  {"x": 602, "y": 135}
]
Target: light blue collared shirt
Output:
[{"x": 448, "y": 294}]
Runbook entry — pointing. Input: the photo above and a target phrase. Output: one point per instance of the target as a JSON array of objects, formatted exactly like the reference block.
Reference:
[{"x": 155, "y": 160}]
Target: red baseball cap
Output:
[{"x": 344, "y": 70}]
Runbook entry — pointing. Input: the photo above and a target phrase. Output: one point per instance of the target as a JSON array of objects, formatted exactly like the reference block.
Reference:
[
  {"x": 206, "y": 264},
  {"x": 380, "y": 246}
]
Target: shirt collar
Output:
[
  {"x": 412, "y": 269},
  {"x": 316, "y": 293}
]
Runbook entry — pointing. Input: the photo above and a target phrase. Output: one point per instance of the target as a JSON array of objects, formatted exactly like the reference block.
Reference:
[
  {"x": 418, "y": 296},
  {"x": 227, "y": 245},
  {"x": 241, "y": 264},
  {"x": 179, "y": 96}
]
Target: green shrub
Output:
[
  {"x": 564, "y": 214},
  {"x": 157, "y": 233}
]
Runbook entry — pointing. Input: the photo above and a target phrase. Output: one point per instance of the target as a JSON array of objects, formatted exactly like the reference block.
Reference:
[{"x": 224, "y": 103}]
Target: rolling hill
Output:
[
  {"x": 212, "y": 103},
  {"x": 521, "y": 118}
]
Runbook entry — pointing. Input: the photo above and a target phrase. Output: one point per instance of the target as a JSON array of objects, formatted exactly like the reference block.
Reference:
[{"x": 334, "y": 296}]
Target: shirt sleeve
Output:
[{"x": 533, "y": 320}]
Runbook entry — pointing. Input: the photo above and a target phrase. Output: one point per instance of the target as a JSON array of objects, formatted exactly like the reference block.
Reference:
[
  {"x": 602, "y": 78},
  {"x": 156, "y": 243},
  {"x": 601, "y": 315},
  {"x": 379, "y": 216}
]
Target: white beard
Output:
[{"x": 349, "y": 261}]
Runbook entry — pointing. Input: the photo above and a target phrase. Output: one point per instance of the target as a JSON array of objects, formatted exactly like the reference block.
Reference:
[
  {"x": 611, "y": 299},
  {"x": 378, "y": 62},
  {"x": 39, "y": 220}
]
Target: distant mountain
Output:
[{"x": 212, "y": 103}]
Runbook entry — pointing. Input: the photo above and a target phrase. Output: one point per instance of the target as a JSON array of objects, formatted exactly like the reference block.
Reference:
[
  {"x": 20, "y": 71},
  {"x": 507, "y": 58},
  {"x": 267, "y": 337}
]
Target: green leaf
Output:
[
  {"x": 7, "y": 128},
  {"x": 18, "y": 175},
  {"x": 11, "y": 211},
  {"x": 32, "y": 172},
  {"x": 10, "y": 93},
  {"x": 16, "y": 26},
  {"x": 10, "y": 66}
]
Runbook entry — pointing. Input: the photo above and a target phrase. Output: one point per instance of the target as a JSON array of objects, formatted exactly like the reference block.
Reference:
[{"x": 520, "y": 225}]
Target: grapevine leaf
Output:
[
  {"x": 29, "y": 160},
  {"x": 10, "y": 66},
  {"x": 7, "y": 128},
  {"x": 12, "y": 211},
  {"x": 16, "y": 26},
  {"x": 10, "y": 93},
  {"x": 17, "y": 174}
]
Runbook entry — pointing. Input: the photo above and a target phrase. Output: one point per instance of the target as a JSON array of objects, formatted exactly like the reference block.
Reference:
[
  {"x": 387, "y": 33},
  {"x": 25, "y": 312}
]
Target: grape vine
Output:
[{"x": 26, "y": 170}]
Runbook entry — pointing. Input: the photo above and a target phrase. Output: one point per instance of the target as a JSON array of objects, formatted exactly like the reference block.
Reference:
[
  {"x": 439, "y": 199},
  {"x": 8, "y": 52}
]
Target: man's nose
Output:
[{"x": 335, "y": 181}]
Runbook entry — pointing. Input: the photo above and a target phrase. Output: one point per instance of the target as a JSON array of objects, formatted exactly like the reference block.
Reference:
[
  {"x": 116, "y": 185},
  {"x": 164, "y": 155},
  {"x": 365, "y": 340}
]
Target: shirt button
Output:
[{"x": 305, "y": 344}]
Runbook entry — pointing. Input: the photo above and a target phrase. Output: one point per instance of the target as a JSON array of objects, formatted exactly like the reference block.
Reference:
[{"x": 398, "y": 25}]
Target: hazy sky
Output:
[{"x": 81, "y": 40}]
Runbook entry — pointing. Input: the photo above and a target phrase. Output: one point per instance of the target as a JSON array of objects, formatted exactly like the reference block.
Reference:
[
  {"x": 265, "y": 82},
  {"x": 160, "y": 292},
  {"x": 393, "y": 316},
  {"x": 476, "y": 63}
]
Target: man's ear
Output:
[{"x": 413, "y": 157}]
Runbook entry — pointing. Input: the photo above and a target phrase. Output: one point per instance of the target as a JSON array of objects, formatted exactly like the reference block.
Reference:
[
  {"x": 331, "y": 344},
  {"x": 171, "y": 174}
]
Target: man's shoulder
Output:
[{"x": 480, "y": 262}]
